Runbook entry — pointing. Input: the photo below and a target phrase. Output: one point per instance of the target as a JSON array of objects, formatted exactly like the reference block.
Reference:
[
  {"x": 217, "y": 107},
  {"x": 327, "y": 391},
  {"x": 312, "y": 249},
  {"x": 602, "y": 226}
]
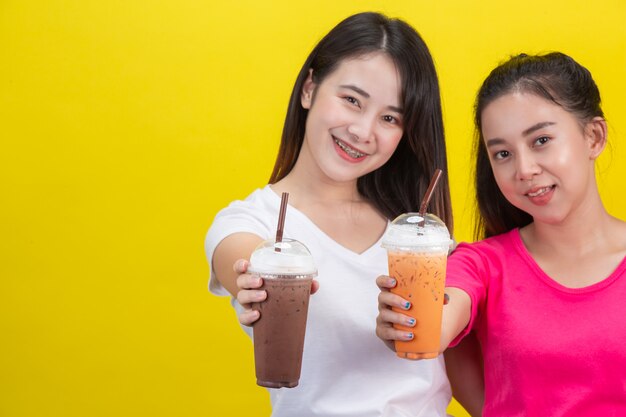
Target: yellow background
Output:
[{"x": 126, "y": 125}]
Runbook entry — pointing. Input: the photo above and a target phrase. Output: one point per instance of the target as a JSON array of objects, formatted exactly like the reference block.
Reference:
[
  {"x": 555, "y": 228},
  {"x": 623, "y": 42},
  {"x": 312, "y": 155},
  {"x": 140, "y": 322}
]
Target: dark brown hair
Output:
[{"x": 397, "y": 186}]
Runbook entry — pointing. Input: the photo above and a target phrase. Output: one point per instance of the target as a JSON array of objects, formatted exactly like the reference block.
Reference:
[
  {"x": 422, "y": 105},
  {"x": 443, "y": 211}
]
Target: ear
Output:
[
  {"x": 306, "y": 95},
  {"x": 596, "y": 136}
]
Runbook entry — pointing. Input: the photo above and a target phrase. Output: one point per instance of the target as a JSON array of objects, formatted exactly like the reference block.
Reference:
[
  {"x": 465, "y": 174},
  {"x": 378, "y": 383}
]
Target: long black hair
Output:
[
  {"x": 553, "y": 76},
  {"x": 398, "y": 186}
]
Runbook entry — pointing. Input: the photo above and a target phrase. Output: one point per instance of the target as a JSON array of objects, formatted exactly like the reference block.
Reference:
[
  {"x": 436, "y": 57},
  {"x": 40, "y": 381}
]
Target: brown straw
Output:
[
  {"x": 281, "y": 219},
  {"x": 429, "y": 193}
]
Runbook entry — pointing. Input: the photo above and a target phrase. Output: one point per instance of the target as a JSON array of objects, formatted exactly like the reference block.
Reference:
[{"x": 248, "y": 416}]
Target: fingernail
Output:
[
  {"x": 392, "y": 282},
  {"x": 409, "y": 335},
  {"x": 411, "y": 322},
  {"x": 446, "y": 298},
  {"x": 407, "y": 305}
]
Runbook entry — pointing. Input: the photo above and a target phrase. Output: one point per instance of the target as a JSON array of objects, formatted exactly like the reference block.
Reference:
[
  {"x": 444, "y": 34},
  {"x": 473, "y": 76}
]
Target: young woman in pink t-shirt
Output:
[{"x": 544, "y": 291}]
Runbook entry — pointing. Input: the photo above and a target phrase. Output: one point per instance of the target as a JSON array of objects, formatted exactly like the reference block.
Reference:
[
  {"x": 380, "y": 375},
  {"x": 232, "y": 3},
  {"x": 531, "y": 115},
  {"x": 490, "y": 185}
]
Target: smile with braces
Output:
[{"x": 352, "y": 152}]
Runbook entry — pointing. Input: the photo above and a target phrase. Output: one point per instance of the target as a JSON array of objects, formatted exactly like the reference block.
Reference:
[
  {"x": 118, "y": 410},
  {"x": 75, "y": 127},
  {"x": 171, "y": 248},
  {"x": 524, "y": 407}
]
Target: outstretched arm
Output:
[
  {"x": 456, "y": 314},
  {"x": 231, "y": 270},
  {"x": 230, "y": 266},
  {"x": 230, "y": 250}
]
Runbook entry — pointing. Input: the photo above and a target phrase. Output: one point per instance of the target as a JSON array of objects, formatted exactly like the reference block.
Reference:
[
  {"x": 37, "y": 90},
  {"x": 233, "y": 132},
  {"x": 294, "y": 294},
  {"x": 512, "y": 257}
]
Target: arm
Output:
[
  {"x": 464, "y": 362},
  {"x": 230, "y": 267},
  {"x": 464, "y": 365},
  {"x": 230, "y": 250},
  {"x": 456, "y": 314}
]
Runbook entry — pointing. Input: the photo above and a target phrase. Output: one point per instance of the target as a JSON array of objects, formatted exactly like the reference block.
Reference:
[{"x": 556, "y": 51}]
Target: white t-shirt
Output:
[{"x": 346, "y": 369}]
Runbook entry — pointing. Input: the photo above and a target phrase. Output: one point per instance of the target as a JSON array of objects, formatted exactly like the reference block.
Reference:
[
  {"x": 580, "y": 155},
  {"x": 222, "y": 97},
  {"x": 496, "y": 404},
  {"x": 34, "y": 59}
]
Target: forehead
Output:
[
  {"x": 374, "y": 72},
  {"x": 515, "y": 112}
]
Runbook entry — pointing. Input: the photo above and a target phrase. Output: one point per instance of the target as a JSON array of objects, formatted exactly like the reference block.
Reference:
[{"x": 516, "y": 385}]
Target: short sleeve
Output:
[
  {"x": 248, "y": 216},
  {"x": 467, "y": 270}
]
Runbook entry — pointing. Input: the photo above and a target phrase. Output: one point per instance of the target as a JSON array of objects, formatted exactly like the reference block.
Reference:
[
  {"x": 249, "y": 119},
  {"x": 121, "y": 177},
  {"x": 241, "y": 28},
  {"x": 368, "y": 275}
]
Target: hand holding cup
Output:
[{"x": 250, "y": 292}]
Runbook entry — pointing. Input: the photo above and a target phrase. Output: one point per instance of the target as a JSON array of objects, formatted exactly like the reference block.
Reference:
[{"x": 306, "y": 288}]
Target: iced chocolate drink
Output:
[{"x": 287, "y": 270}]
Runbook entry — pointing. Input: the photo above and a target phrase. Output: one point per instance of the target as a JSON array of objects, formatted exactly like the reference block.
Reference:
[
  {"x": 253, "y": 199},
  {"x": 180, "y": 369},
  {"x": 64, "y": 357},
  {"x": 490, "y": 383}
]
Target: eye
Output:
[
  {"x": 501, "y": 155},
  {"x": 391, "y": 119},
  {"x": 541, "y": 141},
  {"x": 352, "y": 101}
]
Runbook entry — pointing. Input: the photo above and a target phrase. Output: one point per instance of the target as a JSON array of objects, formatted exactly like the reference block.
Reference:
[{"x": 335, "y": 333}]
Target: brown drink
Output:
[{"x": 279, "y": 333}]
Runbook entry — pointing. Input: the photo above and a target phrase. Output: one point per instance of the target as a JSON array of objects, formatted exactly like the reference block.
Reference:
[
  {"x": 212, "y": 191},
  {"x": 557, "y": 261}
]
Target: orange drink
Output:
[
  {"x": 421, "y": 279},
  {"x": 417, "y": 249}
]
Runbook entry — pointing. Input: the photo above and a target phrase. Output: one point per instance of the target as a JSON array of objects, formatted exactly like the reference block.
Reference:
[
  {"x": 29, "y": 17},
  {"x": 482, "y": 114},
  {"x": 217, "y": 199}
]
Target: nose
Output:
[
  {"x": 362, "y": 128},
  {"x": 526, "y": 166}
]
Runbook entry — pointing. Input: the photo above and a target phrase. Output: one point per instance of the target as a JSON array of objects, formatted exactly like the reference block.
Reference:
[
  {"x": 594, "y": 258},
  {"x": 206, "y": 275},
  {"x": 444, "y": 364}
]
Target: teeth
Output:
[
  {"x": 353, "y": 153},
  {"x": 540, "y": 191}
]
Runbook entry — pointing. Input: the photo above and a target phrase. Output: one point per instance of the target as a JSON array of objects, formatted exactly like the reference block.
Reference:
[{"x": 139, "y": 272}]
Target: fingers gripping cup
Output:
[
  {"x": 417, "y": 248},
  {"x": 287, "y": 269}
]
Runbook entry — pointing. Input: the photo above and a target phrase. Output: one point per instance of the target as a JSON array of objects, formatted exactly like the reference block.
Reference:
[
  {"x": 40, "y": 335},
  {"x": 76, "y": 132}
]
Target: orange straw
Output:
[
  {"x": 281, "y": 219},
  {"x": 429, "y": 193}
]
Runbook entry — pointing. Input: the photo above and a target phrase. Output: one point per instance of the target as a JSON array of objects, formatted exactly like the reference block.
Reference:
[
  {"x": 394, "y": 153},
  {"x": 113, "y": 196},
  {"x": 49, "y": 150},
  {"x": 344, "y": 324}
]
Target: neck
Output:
[
  {"x": 580, "y": 233},
  {"x": 307, "y": 184},
  {"x": 334, "y": 206},
  {"x": 310, "y": 191}
]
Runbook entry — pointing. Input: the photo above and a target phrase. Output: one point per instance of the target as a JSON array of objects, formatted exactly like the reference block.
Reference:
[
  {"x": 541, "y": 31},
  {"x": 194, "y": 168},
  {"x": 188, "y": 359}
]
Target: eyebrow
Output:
[
  {"x": 367, "y": 95},
  {"x": 533, "y": 128},
  {"x": 538, "y": 126}
]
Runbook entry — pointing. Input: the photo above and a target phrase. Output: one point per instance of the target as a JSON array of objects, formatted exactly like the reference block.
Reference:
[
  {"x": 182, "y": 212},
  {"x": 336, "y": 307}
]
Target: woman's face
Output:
[
  {"x": 542, "y": 157},
  {"x": 354, "y": 123}
]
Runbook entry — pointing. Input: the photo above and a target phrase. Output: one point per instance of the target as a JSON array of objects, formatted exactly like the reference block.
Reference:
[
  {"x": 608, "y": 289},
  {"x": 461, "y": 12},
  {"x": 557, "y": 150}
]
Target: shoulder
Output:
[
  {"x": 261, "y": 199},
  {"x": 258, "y": 206},
  {"x": 485, "y": 257},
  {"x": 255, "y": 214},
  {"x": 617, "y": 235},
  {"x": 497, "y": 246}
]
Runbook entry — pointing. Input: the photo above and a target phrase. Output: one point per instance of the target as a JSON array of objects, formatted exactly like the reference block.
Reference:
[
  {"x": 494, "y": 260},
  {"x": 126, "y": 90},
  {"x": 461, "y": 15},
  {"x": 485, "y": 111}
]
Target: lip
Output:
[
  {"x": 540, "y": 195},
  {"x": 339, "y": 146}
]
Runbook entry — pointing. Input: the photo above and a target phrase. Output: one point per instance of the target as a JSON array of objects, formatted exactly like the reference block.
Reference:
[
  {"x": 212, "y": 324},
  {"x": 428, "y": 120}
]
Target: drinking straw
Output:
[
  {"x": 281, "y": 219},
  {"x": 429, "y": 193}
]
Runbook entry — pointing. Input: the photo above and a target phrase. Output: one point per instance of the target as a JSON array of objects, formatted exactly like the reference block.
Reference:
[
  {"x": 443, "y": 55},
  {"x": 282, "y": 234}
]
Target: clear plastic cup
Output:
[
  {"x": 417, "y": 257},
  {"x": 287, "y": 269}
]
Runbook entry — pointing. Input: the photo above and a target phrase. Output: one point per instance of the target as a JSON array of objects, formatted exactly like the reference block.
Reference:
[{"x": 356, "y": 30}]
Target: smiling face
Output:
[
  {"x": 354, "y": 123},
  {"x": 541, "y": 155}
]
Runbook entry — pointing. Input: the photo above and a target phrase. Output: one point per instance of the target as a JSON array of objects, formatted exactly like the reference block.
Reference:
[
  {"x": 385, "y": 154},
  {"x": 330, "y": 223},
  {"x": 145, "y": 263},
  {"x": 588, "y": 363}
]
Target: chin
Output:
[
  {"x": 551, "y": 220},
  {"x": 342, "y": 176}
]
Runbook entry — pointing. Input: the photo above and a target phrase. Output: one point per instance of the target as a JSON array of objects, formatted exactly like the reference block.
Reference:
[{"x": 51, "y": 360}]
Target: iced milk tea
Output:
[{"x": 420, "y": 280}]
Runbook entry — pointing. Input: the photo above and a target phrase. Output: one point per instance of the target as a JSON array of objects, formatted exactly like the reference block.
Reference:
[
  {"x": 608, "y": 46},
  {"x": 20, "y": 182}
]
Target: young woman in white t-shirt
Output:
[{"x": 362, "y": 136}]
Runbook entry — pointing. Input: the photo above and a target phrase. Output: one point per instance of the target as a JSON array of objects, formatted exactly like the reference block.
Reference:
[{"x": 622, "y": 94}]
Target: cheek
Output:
[
  {"x": 390, "y": 142},
  {"x": 385, "y": 149},
  {"x": 504, "y": 180},
  {"x": 573, "y": 160}
]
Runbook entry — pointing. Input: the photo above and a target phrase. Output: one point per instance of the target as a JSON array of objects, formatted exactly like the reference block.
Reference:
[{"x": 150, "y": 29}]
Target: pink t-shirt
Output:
[{"x": 548, "y": 350}]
